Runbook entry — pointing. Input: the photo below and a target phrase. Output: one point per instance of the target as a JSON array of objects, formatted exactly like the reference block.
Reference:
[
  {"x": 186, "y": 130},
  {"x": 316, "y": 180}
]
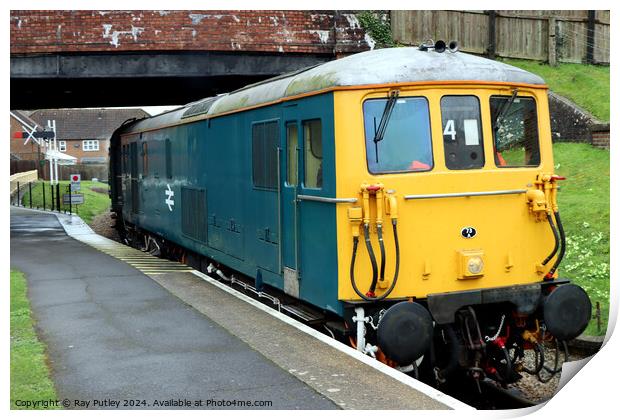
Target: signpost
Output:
[
  {"x": 76, "y": 180},
  {"x": 73, "y": 198}
]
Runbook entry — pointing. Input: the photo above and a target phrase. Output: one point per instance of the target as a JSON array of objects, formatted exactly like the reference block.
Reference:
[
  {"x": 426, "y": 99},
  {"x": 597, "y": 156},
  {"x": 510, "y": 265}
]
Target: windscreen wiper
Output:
[
  {"x": 385, "y": 118},
  {"x": 503, "y": 109}
]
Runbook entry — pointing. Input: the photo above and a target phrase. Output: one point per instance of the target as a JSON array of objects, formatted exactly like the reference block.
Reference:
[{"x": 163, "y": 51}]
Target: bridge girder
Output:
[{"x": 74, "y": 80}]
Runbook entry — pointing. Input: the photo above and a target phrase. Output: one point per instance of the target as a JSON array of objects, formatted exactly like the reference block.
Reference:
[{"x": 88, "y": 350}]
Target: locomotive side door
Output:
[{"x": 288, "y": 160}]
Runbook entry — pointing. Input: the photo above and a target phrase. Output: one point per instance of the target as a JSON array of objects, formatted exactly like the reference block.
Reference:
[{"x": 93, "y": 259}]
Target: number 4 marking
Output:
[{"x": 449, "y": 130}]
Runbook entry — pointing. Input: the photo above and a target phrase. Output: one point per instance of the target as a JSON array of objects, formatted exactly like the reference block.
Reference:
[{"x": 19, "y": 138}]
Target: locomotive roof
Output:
[{"x": 383, "y": 66}]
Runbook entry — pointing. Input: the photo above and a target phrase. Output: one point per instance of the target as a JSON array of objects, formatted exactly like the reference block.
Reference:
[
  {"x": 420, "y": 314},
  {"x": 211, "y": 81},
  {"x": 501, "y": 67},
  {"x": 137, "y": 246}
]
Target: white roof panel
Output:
[{"x": 389, "y": 65}]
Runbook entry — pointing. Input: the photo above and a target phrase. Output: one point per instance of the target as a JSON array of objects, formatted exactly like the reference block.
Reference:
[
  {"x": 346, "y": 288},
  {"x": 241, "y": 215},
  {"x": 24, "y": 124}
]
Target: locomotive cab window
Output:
[
  {"x": 264, "y": 155},
  {"x": 405, "y": 143},
  {"x": 462, "y": 132},
  {"x": 313, "y": 154},
  {"x": 515, "y": 131}
]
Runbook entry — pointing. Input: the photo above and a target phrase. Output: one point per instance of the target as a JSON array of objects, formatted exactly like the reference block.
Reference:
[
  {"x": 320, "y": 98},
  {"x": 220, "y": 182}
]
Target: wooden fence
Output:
[
  {"x": 18, "y": 166},
  {"x": 568, "y": 36}
]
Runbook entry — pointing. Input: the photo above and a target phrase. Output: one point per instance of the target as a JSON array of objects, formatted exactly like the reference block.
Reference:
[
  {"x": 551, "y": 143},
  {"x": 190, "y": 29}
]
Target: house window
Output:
[
  {"x": 90, "y": 145},
  {"x": 62, "y": 145}
]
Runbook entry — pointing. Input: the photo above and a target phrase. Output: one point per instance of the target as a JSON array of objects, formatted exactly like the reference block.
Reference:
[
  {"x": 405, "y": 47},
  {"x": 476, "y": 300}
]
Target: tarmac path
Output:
[{"x": 114, "y": 335}]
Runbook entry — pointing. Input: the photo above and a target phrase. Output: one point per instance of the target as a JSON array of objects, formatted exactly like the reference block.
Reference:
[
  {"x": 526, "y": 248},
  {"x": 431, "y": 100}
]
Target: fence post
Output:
[
  {"x": 30, "y": 193},
  {"x": 492, "y": 40},
  {"x": 18, "y": 199},
  {"x": 551, "y": 50},
  {"x": 590, "y": 37},
  {"x": 43, "y": 190}
]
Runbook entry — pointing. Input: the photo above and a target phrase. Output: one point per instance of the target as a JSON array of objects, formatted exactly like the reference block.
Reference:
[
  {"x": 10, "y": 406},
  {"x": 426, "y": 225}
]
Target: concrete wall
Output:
[
  {"x": 22, "y": 178},
  {"x": 571, "y": 123}
]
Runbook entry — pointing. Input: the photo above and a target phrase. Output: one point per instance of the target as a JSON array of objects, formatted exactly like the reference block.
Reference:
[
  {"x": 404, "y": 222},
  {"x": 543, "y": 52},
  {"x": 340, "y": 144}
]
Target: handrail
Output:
[
  {"x": 463, "y": 194},
  {"x": 326, "y": 199}
]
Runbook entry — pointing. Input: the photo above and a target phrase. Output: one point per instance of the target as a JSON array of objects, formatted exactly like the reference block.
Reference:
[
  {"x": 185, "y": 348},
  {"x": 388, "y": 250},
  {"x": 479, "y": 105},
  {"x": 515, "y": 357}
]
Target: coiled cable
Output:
[
  {"x": 562, "y": 246},
  {"x": 555, "y": 236}
]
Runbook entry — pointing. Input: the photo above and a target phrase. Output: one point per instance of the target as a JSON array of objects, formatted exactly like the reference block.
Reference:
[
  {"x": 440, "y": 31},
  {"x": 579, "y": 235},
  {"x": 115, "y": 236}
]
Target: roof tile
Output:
[{"x": 87, "y": 123}]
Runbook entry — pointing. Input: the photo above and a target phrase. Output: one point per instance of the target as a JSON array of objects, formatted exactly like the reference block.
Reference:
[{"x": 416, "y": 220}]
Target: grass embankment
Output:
[
  {"x": 586, "y": 85},
  {"x": 584, "y": 207},
  {"x": 30, "y": 379},
  {"x": 96, "y": 200}
]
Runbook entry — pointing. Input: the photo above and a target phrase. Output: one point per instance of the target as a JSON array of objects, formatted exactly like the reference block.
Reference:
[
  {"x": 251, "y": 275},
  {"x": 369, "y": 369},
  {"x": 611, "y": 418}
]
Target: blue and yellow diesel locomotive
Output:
[{"x": 403, "y": 199}]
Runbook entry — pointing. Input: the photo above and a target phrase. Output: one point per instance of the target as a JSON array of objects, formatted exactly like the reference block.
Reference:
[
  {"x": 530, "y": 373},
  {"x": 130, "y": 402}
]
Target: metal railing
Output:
[{"x": 20, "y": 199}]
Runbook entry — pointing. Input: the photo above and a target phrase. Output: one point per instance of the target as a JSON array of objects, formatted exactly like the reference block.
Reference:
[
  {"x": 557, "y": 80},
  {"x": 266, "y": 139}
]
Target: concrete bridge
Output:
[{"x": 126, "y": 58}]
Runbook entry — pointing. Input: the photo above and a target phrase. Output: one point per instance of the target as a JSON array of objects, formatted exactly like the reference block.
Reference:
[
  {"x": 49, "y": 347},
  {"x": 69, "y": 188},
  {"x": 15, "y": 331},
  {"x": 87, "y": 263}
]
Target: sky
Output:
[{"x": 154, "y": 110}]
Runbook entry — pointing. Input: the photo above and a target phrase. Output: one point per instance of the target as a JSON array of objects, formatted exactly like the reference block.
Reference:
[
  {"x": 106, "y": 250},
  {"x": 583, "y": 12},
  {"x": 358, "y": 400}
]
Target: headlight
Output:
[{"x": 475, "y": 265}]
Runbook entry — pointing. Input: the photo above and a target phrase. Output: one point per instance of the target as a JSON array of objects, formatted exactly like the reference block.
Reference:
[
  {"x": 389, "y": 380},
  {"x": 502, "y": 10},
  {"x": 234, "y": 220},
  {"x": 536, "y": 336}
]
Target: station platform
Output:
[{"x": 120, "y": 325}]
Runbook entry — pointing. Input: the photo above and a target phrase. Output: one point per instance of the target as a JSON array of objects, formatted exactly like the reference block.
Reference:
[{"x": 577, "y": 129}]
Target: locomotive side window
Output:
[
  {"x": 515, "y": 131},
  {"x": 124, "y": 159},
  {"x": 406, "y": 144},
  {"x": 168, "y": 159},
  {"x": 264, "y": 155},
  {"x": 291, "y": 153},
  {"x": 462, "y": 132},
  {"x": 133, "y": 160},
  {"x": 145, "y": 159},
  {"x": 313, "y": 154}
]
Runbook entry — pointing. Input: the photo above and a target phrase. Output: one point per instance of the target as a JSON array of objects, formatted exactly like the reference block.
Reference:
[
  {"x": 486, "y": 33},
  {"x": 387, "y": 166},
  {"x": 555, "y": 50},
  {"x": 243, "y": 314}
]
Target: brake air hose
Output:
[
  {"x": 373, "y": 285},
  {"x": 371, "y": 254},
  {"x": 396, "y": 268},
  {"x": 555, "y": 236},
  {"x": 562, "y": 246},
  {"x": 453, "y": 361}
]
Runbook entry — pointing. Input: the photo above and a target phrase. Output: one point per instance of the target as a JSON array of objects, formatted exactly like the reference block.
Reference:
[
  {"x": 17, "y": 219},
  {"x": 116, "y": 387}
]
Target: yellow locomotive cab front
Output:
[{"x": 467, "y": 168}]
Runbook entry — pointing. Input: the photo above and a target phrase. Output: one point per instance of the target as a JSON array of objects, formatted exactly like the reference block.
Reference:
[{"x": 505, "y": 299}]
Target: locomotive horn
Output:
[
  {"x": 440, "y": 46},
  {"x": 426, "y": 45},
  {"x": 453, "y": 46}
]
